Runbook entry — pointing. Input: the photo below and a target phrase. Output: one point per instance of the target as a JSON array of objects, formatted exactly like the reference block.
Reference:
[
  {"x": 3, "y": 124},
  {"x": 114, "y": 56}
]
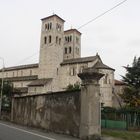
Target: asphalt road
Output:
[{"x": 9, "y": 131}]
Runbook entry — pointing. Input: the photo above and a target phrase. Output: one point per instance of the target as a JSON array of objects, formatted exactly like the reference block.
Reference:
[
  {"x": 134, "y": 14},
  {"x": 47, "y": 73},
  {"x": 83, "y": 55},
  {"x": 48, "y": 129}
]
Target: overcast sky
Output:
[{"x": 115, "y": 36}]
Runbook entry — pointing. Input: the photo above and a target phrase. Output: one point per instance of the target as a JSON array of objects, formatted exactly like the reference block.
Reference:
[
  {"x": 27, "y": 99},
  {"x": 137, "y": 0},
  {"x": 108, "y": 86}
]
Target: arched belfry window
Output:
[
  {"x": 45, "y": 40},
  {"x": 56, "y": 39},
  {"x": 59, "y": 41},
  {"x": 69, "y": 49},
  {"x": 50, "y": 38},
  {"x": 50, "y": 26}
]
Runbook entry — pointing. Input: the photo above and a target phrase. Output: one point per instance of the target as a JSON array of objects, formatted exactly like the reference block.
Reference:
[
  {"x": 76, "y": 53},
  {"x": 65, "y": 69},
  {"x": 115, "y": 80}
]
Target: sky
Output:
[{"x": 114, "y": 36}]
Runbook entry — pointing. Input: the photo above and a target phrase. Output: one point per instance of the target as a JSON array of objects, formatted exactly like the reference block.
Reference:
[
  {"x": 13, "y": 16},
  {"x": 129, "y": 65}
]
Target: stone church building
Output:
[{"x": 59, "y": 63}]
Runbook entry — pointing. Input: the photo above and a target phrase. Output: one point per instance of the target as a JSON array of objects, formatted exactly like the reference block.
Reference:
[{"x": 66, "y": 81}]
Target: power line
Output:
[
  {"x": 103, "y": 14},
  {"x": 82, "y": 26},
  {"x": 27, "y": 58}
]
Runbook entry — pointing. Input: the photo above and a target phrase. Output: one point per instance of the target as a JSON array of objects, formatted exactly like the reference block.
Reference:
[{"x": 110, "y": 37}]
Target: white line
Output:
[{"x": 28, "y": 132}]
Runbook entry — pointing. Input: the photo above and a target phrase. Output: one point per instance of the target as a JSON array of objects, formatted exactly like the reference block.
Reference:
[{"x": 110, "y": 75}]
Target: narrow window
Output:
[
  {"x": 50, "y": 39},
  {"x": 72, "y": 72},
  {"x": 56, "y": 39},
  {"x": 46, "y": 26},
  {"x": 13, "y": 74},
  {"x": 21, "y": 84},
  {"x": 45, "y": 40},
  {"x": 6, "y": 74},
  {"x": 70, "y": 38},
  {"x": 77, "y": 40},
  {"x": 65, "y": 39},
  {"x": 30, "y": 72},
  {"x": 69, "y": 49},
  {"x": 65, "y": 50},
  {"x": 21, "y": 73},
  {"x": 105, "y": 79},
  {"x": 50, "y": 26},
  {"x": 59, "y": 41}
]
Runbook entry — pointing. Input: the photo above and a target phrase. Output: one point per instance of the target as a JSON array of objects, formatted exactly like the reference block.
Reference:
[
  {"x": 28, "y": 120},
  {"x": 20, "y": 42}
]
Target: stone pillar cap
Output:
[{"x": 90, "y": 74}]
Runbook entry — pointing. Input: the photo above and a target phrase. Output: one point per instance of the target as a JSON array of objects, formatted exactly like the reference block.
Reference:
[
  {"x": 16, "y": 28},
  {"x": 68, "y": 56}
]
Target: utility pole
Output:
[{"x": 2, "y": 81}]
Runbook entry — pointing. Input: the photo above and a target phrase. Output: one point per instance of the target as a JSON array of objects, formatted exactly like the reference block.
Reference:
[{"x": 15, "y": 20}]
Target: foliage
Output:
[
  {"x": 131, "y": 94},
  {"x": 7, "y": 93},
  {"x": 125, "y": 135},
  {"x": 132, "y": 77},
  {"x": 74, "y": 87}
]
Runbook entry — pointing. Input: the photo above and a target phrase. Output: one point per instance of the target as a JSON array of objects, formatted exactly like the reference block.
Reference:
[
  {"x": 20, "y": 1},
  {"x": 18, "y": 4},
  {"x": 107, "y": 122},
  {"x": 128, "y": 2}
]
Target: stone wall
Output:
[{"x": 57, "y": 112}]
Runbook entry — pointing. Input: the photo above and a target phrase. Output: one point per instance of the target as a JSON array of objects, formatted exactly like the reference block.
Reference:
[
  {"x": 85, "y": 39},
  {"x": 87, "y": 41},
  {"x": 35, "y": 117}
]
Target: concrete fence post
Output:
[{"x": 90, "y": 123}]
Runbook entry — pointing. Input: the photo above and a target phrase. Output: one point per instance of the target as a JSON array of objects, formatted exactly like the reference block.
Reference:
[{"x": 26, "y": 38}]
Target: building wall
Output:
[
  {"x": 20, "y": 73},
  {"x": 117, "y": 101},
  {"x": 57, "y": 112},
  {"x": 106, "y": 87}
]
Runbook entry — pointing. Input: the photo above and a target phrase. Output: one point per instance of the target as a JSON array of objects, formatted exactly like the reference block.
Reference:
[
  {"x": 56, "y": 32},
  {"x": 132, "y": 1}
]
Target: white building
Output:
[{"x": 59, "y": 63}]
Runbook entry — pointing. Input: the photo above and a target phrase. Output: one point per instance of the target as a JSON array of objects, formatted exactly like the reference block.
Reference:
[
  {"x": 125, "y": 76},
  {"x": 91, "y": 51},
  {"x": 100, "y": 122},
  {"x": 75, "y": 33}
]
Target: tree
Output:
[
  {"x": 131, "y": 94},
  {"x": 7, "y": 94},
  {"x": 74, "y": 87}
]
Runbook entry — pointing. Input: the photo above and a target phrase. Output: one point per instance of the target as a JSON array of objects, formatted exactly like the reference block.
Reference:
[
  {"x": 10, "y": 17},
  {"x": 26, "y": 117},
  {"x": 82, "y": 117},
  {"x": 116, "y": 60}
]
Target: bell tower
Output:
[
  {"x": 51, "y": 46},
  {"x": 72, "y": 44}
]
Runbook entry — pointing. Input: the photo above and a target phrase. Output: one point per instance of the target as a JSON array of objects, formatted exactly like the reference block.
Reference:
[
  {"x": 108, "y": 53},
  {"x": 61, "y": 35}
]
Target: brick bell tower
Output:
[{"x": 51, "y": 46}]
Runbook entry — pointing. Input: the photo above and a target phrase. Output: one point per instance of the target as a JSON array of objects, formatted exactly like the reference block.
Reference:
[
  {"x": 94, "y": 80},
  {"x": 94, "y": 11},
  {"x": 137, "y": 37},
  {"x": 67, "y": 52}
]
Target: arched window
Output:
[
  {"x": 21, "y": 73},
  {"x": 30, "y": 72},
  {"x": 59, "y": 41},
  {"x": 69, "y": 49},
  {"x": 65, "y": 50},
  {"x": 50, "y": 39},
  {"x": 70, "y": 38},
  {"x": 106, "y": 79},
  {"x": 56, "y": 39},
  {"x": 45, "y": 40},
  {"x": 50, "y": 26},
  {"x": 66, "y": 39},
  {"x": 46, "y": 26}
]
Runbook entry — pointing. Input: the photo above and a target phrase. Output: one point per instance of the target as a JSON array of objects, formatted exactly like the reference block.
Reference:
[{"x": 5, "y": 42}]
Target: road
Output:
[{"x": 9, "y": 131}]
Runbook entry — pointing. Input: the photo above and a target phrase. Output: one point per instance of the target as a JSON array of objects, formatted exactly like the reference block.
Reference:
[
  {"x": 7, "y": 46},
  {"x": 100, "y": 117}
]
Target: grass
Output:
[{"x": 125, "y": 135}]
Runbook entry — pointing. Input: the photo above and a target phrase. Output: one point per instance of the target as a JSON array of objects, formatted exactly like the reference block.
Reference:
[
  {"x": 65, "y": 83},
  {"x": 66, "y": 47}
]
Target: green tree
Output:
[
  {"x": 74, "y": 87},
  {"x": 131, "y": 94},
  {"x": 7, "y": 94}
]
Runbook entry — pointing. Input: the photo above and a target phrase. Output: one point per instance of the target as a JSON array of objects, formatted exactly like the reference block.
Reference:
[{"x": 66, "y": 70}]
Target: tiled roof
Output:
[
  {"x": 117, "y": 82},
  {"x": 79, "y": 60},
  {"x": 71, "y": 30},
  {"x": 100, "y": 65},
  {"x": 20, "y": 90},
  {"x": 53, "y": 16},
  {"x": 21, "y": 67},
  {"x": 23, "y": 78},
  {"x": 40, "y": 82}
]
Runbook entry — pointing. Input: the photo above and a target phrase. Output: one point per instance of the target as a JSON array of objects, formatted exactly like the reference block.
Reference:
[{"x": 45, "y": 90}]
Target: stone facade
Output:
[{"x": 59, "y": 60}]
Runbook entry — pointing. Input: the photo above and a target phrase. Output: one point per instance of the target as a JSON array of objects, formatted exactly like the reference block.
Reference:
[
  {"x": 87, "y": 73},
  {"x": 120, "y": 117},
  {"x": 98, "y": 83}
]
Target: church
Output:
[{"x": 59, "y": 63}]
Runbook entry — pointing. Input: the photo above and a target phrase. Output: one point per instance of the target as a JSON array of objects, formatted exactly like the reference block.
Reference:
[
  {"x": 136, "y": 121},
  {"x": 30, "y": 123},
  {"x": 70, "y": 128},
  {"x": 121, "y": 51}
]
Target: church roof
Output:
[
  {"x": 54, "y": 15},
  {"x": 79, "y": 60},
  {"x": 21, "y": 67},
  {"x": 119, "y": 83},
  {"x": 40, "y": 82},
  {"x": 100, "y": 65},
  {"x": 21, "y": 78},
  {"x": 72, "y": 30}
]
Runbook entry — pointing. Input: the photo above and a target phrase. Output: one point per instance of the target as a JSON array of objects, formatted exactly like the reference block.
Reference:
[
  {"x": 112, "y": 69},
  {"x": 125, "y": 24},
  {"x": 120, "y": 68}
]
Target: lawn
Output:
[{"x": 125, "y": 135}]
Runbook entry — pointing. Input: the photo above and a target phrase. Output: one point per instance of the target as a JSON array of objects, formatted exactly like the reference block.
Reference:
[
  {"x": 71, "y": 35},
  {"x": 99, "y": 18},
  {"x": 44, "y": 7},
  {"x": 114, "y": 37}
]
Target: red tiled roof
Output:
[{"x": 117, "y": 82}]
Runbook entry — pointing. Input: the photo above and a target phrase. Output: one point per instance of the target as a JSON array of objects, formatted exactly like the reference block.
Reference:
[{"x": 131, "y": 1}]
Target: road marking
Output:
[{"x": 19, "y": 129}]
